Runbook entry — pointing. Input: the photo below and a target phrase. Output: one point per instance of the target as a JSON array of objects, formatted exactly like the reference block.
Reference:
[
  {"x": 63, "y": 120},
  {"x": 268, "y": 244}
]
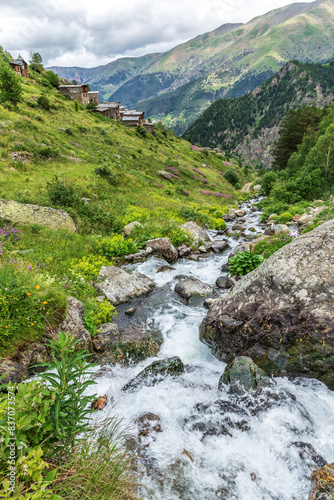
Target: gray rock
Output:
[
  {"x": 184, "y": 252},
  {"x": 197, "y": 233},
  {"x": 20, "y": 213},
  {"x": 14, "y": 371},
  {"x": 219, "y": 246},
  {"x": 165, "y": 175},
  {"x": 74, "y": 323},
  {"x": 136, "y": 257},
  {"x": 243, "y": 375},
  {"x": 131, "y": 311},
  {"x": 130, "y": 227},
  {"x": 230, "y": 217},
  {"x": 120, "y": 286},
  {"x": 281, "y": 313},
  {"x": 163, "y": 247},
  {"x": 225, "y": 282},
  {"x": 163, "y": 269},
  {"x": 35, "y": 354},
  {"x": 191, "y": 286},
  {"x": 202, "y": 249},
  {"x": 238, "y": 227},
  {"x": 106, "y": 335},
  {"x": 240, "y": 213},
  {"x": 156, "y": 372},
  {"x": 209, "y": 303}
]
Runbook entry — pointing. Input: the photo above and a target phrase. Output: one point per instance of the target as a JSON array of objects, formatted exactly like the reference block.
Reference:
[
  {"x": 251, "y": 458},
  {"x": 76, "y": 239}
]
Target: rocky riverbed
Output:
[{"x": 207, "y": 433}]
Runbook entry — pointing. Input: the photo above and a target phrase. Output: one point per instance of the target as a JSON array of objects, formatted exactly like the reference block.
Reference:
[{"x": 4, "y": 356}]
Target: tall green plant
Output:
[
  {"x": 10, "y": 85},
  {"x": 67, "y": 378}
]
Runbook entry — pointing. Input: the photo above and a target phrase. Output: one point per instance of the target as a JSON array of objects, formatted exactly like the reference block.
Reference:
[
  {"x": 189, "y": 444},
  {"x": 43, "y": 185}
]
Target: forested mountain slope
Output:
[{"x": 248, "y": 125}]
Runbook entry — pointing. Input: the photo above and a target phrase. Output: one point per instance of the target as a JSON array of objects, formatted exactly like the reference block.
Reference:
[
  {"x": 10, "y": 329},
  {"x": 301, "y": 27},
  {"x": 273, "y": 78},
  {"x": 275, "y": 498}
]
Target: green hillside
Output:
[
  {"x": 248, "y": 125},
  {"x": 178, "y": 85}
]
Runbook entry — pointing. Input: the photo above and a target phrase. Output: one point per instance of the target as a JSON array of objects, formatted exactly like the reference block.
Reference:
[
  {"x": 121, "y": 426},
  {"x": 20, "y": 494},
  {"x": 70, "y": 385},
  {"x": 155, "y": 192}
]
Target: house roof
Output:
[
  {"x": 70, "y": 86},
  {"x": 18, "y": 61},
  {"x": 107, "y": 105},
  {"x": 132, "y": 118},
  {"x": 93, "y": 91}
]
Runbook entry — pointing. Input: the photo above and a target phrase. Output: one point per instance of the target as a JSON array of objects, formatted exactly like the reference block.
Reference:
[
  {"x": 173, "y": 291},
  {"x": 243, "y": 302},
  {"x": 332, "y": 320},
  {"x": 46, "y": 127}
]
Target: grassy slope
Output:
[{"x": 78, "y": 142}]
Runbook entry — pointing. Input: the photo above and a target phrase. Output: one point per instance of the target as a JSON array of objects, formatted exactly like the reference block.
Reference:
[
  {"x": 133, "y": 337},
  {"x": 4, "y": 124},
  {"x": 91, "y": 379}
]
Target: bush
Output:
[
  {"x": 268, "y": 181},
  {"x": 45, "y": 82},
  {"x": 115, "y": 246},
  {"x": 88, "y": 267},
  {"x": 232, "y": 177},
  {"x": 217, "y": 223},
  {"x": 53, "y": 78},
  {"x": 106, "y": 173},
  {"x": 10, "y": 85},
  {"x": 61, "y": 193},
  {"x": 134, "y": 213},
  {"x": 44, "y": 103},
  {"x": 98, "y": 313},
  {"x": 283, "y": 218},
  {"x": 243, "y": 263},
  {"x": 141, "y": 131}
]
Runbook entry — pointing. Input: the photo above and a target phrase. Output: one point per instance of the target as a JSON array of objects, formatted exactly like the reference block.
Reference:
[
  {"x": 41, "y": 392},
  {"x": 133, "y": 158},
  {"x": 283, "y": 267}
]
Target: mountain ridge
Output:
[{"x": 228, "y": 61}]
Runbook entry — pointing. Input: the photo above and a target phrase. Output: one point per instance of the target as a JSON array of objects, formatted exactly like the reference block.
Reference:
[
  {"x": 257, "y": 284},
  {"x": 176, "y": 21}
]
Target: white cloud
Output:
[{"x": 89, "y": 33}]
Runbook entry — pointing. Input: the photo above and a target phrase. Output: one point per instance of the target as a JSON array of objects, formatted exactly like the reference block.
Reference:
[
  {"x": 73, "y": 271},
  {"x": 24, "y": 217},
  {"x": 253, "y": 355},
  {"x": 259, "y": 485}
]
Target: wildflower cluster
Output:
[
  {"x": 88, "y": 267},
  {"x": 8, "y": 235},
  {"x": 98, "y": 313},
  {"x": 134, "y": 213}
]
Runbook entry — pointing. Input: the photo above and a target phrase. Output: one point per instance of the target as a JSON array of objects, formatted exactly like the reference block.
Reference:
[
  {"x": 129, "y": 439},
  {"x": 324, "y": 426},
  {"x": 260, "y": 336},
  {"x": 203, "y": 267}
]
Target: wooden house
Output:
[
  {"x": 109, "y": 109},
  {"x": 20, "y": 67},
  {"x": 75, "y": 92}
]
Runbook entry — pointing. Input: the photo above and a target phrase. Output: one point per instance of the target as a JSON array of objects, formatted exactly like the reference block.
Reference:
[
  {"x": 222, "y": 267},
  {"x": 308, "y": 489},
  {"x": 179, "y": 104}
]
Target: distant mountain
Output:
[
  {"x": 248, "y": 125},
  {"x": 178, "y": 85}
]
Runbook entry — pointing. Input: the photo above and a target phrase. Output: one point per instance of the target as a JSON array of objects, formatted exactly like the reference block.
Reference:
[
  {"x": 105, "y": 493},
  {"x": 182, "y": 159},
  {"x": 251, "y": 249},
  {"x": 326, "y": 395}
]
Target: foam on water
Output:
[{"x": 257, "y": 462}]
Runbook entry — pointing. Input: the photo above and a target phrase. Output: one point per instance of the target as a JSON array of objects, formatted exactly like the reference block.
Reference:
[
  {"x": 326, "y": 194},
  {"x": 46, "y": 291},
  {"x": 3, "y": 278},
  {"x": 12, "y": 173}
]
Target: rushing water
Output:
[{"x": 242, "y": 449}]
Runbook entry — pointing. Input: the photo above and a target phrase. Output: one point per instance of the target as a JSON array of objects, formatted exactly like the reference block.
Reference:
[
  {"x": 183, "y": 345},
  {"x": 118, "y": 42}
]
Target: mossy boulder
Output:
[
  {"x": 243, "y": 375},
  {"x": 21, "y": 213},
  {"x": 156, "y": 372},
  {"x": 281, "y": 314},
  {"x": 323, "y": 483}
]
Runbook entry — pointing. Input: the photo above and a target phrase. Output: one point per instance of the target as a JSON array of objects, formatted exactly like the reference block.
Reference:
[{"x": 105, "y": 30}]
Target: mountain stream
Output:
[{"x": 214, "y": 444}]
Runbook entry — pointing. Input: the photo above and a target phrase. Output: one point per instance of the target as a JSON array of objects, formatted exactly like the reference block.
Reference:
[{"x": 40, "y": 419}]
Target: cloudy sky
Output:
[{"x": 92, "y": 32}]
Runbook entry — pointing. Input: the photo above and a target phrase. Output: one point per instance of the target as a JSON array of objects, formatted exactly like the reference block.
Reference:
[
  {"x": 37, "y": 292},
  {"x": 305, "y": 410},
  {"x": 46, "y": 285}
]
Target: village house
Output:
[
  {"x": 93, "y": 96},
  {"x": 133, "y": 118},
  {"x": 20, "y": 67},
  {"x": 109, "y": 110},
  {"x": 75, "y": 92},
  {"x": 149, "y": 126}
]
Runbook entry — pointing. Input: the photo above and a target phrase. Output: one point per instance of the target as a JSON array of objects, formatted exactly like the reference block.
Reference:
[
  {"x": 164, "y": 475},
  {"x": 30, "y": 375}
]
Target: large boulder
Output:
[
  {"x": 219, "y": 246},
  {"x": 165, "y": 248},
  {"x": 120, "y": 286},
  {"x": 189, "y": 287},
  {"x": 130, "y": 227},
  {"x": 323, "y": 483},
  {"x": 197, "y": 233},
  {"x": 281, "y": 314},
  {"x": 21, "y": 213},
  {"x": 74, "y": 323}
]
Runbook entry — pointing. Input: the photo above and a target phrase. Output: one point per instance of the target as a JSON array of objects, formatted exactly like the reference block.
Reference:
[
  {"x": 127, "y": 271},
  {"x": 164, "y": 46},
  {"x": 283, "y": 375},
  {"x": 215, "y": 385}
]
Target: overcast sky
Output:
[{"x": 92, "y": 32}]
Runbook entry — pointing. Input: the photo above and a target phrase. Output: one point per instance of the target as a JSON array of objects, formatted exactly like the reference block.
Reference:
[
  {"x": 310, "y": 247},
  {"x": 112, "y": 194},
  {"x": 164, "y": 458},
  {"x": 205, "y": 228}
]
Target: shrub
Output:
[
  {"x": 53, "y": 78},
  {"x": 217, "y": 223},
  {"x": 98, "y": 313},
  {"x": 106, "y": 173},
  {"x": 61, "y": 193},
  {"x": 270, "y": 246},
  {"x": 268, "y": 181},
  {"x": 10, "y": 85},
  {"x": 134, "y": 213},
  {"x": 44, "y": 103},
  {"x": 283, "y": 218},
  {"x": 232, "y": 177},
  {"x": 88, "y": 267},
  {"x": 45, "y": 82},
  {"x": 115, "y": 246},
  {"x": 244, "y": 262}
]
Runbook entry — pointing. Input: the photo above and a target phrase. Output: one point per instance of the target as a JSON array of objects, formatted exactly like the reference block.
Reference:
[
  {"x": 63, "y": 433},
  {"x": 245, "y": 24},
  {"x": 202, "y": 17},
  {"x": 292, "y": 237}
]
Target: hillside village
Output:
[{"x": 80, "y": 93}]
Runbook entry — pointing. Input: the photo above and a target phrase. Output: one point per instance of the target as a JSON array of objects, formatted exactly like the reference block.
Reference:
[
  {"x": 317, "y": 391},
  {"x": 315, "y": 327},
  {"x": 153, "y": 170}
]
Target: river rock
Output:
[
  {"x": 130, "y": 227},
  {"x": 225, "y": 282},
  {"x": 21, "y": 213},
  {"x": 219, "y": 246},
  {"x": 240, "y": 213},
  {"x": 243, "y": 375},
  {"x": 163, "y": 269},
  {"x": 272, "y": 216},
  {"x": 14, "y": 371},
  {"x": 105, "y": 336},
  {"x": 120, "y": 286},
  {"x": 35, "y": 354},
  {"x": 99, "y": 403},
  {"x": 164, "y": 247},
  {"x": 238, "y": 227},
  {"x": 184, "y": 251},
  {"x": 281, "y": 313},
  {"x": 156, "y": 372},
  {"x": 74, "y": 324},
  {"x": 323, "y": 483},
  {"x": 197, "y": 233},
  {"x": 191, "y": 286},
  {"x": 148, "y": 423},
  {"x": 136, "y": 257},
  {"x": 305, "y": 219},
  {"x": 308, "y": 454}
]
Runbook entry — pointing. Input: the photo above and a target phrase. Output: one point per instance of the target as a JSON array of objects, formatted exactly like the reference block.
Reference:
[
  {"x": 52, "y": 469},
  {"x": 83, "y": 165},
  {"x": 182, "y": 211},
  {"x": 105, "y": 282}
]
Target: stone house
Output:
[
  {"x": 93, "y": 96},
  {"x": 75, "y": 92},
  {"x": 133, "y": 118},
  {"x": 20, "y": 67},
  {"x": 109, "y": 110},
  {"x": 149, "y": 126}
]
